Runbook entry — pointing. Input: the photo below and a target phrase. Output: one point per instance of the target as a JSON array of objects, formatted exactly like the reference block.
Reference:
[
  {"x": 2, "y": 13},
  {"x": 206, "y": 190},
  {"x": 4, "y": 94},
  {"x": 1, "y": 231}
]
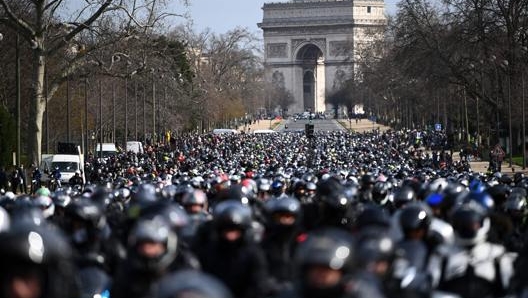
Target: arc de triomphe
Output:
[{"x": 311, "y": 45}]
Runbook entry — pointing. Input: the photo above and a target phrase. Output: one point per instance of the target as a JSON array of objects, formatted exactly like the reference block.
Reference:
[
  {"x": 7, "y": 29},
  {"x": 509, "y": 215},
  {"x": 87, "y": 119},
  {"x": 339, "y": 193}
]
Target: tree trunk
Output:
[{"x": 37, "y": 108}]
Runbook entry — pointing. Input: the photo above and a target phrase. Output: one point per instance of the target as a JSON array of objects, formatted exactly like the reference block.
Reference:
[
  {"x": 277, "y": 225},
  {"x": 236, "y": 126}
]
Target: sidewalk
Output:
[
  {"x": 362, "y": 125},
  {"x": 477, "y": 166},
  {"x": 260, "y": 124}
]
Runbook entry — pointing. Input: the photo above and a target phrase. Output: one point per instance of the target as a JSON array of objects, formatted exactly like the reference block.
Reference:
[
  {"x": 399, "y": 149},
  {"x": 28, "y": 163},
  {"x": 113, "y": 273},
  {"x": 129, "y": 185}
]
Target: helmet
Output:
[
  {"x": 89, "y": 220},
  {"x": 152, "y": 245},
  {"x": 4, "y": 220},
  {"x": 332, "y": 193},
  {"x": 330, "y": 247},
  {"x": 173, "y": 213},
  {"x": 232, "y": 214},
  {"x": 405, "y": 195},
  {"x": 28, "y": 248},
  {"x": 415, "y": 216},
  {"x": 169, "y": 192},
  {"x": 196, "y": 197},
  {"x": 46, "y": 205},
  {"x": 471, "y": 223},
  {"x": 373, "y": 216},
  {"x": 145, "y": 192},
  {"x": 380, "y": 192},
  {"x": 499, "y": 193},
  {"x": 373, "y": 246},
  {"x": 325, "y": 251},
  {"x": 516, "y": 207},
  {"x": 483, "y": 198},
  {"x": 282, "y": 207},
  {"x": 192, "y": 283},
  {"x": 61, "y": 199},
  {"x": 367, "y": 181}
]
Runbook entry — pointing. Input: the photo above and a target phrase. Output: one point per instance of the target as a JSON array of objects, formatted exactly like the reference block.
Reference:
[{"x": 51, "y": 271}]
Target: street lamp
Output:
[
  {"x": 505, "y": 64},
  {"x": 492, "y": 59}
]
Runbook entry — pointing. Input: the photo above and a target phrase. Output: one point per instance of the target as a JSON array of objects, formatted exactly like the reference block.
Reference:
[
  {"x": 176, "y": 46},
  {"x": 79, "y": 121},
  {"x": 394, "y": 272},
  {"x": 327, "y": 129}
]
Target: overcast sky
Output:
[{"x": 223, "y": 15}]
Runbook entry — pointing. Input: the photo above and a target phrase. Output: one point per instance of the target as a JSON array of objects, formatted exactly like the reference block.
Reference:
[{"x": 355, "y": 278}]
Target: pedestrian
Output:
[
  {"x": 18, "y": 180},
  {"x": 497, "y": 155}
]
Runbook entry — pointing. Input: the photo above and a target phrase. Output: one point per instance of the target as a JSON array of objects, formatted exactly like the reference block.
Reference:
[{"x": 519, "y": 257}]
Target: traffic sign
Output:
[{"x": 438, "y": 127}]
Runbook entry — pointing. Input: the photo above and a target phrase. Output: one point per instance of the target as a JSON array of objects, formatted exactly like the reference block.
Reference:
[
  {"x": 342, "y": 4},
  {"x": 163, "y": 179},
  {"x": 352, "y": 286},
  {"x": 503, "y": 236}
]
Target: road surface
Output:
[{"x": 320, "y": 125}]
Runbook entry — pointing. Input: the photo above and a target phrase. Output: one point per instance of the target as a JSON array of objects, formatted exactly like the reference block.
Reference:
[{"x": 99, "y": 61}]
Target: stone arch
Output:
[
  {"x": 309, "y": 51},
  {"x": 310, "y": 57}
]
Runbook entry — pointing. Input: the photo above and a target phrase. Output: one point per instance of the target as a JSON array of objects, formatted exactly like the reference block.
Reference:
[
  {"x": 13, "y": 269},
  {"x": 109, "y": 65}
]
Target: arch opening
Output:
[{"x": 310, "y": 58}]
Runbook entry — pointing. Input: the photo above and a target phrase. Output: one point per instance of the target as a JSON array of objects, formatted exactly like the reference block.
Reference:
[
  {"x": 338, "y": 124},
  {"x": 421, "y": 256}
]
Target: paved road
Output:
[{"x": 319, "y": 125}]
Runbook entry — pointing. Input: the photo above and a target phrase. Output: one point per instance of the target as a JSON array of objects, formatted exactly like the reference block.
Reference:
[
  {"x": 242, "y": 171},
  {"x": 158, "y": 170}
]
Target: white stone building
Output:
[{"x": 312, "y": 46}]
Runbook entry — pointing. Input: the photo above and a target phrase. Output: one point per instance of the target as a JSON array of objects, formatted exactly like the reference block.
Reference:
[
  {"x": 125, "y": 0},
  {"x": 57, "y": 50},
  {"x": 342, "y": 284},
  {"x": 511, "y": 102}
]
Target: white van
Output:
[
  {"x": 219, "y": 131},
  {"x": 134, "y": 146},
  {"x": 264, "y": 131},
  {"x": 108, "y": 150},
  {"x": 66, "y": 163}
]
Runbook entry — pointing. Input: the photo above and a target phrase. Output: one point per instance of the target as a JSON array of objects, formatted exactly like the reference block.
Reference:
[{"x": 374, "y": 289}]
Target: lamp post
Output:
[
  {"x": 47, "y": 114},
  {"x": 100, "y": 119},
  {"x": 505, "y": 63},
  {"x": 68, "y": 109},
  {"x": 113, "y": 112},
  {"x": 136, "y": 99},
  {"x": 525, "y": 51},
  {"x": 126, "y": 108},
  {"x": 153, "y": 107},
  {"x": 492, "y": 59},
  {"x": 17, "y": 57},
  {"x": 87, "y": 149}
]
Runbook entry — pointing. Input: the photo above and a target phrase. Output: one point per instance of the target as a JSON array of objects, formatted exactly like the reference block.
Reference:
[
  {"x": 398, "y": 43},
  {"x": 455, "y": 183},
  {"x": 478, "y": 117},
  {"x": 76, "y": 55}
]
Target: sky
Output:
[{"x": 224, "y": 15}]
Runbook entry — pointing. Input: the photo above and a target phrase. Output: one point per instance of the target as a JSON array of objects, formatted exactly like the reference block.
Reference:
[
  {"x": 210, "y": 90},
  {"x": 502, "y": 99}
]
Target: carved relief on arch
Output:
[
  {"x": 276, "y": 50},
  {"x": 277, "y": 79},
  {"x": 339, "y": 79}
]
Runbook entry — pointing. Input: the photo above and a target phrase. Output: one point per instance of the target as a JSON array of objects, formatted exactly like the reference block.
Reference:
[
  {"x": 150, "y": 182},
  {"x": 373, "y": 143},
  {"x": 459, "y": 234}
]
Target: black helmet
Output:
[
  {"x": 332, "y": 249},
  {"x": 499, "y": 193},
  {"x": 516, "y": 207},
  {"x": 173, "y": 214},
  {"x": 373, "y": 246},
  {"x": 90, "y": 222},
  {"x": 196, "y": 197},
  {"x": 28, "y": 248},
  {"x": 192, "y": 283},
  {"x": 332, "y": 193},
  {"x": 367, "y": 181},
  {"x": 232, "y": 214},
  {"x": 87, "y": 212},
  {"x": 470, "y": 223},
  {"x": 380, "y": 192},
  {"x": 145, "y": 192},
  {"x": 415, "y": 216},
  {"x": 373, "y": 216},
  {"x": 404, "y": 196},
  {"x": 157, "y": 232},
  {"x": 281, "y": 206}
]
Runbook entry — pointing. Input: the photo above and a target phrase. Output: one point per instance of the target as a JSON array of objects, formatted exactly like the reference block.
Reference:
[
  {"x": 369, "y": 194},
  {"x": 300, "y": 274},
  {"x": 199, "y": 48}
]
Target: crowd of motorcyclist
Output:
[{"x": 282, "y": 215}]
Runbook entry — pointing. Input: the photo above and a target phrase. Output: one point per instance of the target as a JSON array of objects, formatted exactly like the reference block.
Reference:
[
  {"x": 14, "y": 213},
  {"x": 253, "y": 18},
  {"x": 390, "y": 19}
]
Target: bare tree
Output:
[{"x": 69, "y": 39}]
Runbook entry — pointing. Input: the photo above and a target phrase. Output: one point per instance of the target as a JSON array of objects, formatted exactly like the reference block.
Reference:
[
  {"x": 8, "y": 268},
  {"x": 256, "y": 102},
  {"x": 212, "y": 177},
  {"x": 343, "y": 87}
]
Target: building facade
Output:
[{"x": 312, "y": 46}]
